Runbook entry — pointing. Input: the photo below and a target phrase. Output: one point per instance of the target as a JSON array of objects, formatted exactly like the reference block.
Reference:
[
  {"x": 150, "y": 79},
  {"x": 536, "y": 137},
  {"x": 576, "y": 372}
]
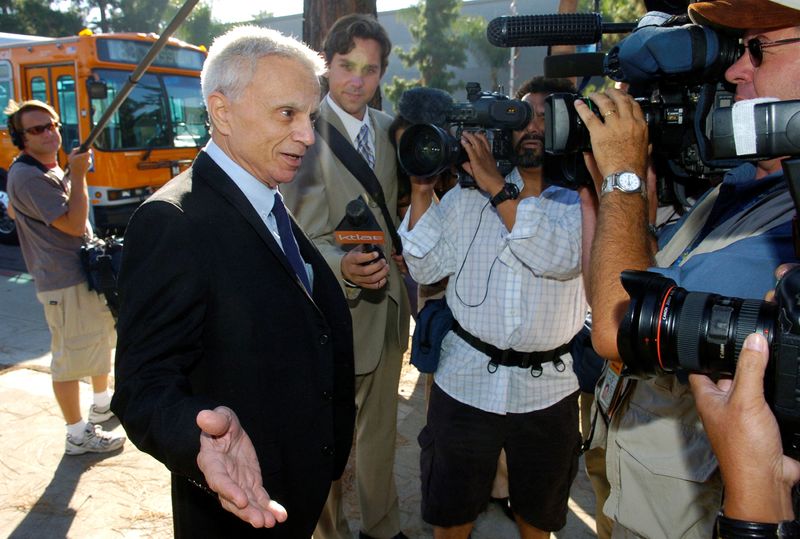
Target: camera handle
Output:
[{"x": 791, "y": 171}]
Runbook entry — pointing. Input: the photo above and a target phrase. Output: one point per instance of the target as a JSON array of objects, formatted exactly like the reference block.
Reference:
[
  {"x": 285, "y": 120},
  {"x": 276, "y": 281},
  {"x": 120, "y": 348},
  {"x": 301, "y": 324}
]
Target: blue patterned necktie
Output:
[
  {"x": 364, "y": 147},
  {"x": 290, "y": 248}
]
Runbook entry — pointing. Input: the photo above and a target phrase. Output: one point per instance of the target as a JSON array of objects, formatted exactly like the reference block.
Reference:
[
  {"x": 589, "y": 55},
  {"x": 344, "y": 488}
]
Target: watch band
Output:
[
  {"x": 617, "y": 182},
  {"x": 729, "y": 528},
  {"x": 509, "y": 192}
]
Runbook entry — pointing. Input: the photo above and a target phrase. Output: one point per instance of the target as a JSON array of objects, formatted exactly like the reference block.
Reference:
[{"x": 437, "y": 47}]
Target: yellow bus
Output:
[{"x": 155, "y": 134}]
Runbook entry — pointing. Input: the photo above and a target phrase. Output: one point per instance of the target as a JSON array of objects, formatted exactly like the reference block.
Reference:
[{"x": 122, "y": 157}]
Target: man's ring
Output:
[{"x": 608, "y": 113}]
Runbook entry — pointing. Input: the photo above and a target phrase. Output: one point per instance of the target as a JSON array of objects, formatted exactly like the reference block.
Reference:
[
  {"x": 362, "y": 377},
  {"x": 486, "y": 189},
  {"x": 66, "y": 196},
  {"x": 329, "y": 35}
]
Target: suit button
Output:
[
  {"x": 327, "y": 450},
  {"x": 323, "y": 339},
  {"x": 327, "y": 395}
]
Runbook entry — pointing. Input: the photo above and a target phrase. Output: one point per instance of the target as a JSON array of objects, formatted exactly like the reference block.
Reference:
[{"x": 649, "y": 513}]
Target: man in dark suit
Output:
[
  {"x": 234, "y": 362},
  {"x": 357, "y": 52}
]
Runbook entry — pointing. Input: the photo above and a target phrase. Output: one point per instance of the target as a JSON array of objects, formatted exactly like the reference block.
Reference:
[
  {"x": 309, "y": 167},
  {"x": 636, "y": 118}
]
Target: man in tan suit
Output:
[{"x": 357, "y": 50}]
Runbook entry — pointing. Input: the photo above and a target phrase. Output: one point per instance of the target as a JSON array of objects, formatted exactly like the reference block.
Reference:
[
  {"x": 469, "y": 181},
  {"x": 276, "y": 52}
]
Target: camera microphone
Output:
[
  {"x": 586, "y": 64},
  {"x": 359, "y": 227},
  {"x": 553, "y": 29}
]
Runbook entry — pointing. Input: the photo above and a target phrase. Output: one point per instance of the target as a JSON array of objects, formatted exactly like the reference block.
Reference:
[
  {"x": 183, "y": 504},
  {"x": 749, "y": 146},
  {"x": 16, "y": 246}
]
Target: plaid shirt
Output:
[{"x": 521, "y": 289}]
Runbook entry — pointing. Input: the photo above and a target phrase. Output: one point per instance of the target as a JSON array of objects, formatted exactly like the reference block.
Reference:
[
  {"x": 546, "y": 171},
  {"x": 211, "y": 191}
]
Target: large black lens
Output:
[
  {"x": 427, "y": 150},
  {"x": 668, "y": 328}
]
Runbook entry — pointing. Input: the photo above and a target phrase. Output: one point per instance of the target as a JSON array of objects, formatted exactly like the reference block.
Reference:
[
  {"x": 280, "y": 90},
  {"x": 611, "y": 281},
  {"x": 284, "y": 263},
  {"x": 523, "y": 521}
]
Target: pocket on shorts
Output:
[{"x": 53, "y": 303}]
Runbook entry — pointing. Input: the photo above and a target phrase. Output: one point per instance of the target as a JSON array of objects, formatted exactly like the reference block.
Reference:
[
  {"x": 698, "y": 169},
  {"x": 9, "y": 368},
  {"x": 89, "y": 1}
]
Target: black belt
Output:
[{"x": 511, "y": 357}]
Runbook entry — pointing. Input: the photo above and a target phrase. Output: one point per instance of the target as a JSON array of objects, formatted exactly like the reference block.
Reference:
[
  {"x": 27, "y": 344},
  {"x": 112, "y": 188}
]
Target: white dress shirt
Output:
[
  {"x": 260, "y": 195},
  {"x": 353, "y": 124},
  {"x": 520, "y": 289}
]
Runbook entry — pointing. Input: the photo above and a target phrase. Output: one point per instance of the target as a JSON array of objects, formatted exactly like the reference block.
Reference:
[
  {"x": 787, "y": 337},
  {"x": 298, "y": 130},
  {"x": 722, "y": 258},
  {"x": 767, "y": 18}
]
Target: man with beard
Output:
[{"x": 512, "y": 252}]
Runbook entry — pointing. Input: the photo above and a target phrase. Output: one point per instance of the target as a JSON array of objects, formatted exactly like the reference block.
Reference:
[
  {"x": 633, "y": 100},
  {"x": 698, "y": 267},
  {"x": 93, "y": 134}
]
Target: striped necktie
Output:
[
  {"x": 288, "y": 241},
  {"x": 364, "y": 147}
]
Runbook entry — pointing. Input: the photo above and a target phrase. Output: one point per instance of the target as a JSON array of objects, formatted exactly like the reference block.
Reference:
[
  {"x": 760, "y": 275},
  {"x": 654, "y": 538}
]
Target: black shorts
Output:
[{"x": 460, "y": 446}]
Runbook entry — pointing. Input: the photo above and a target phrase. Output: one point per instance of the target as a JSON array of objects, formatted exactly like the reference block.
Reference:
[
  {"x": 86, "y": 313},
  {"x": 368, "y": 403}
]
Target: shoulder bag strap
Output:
[{"x": 355, "y": 163}]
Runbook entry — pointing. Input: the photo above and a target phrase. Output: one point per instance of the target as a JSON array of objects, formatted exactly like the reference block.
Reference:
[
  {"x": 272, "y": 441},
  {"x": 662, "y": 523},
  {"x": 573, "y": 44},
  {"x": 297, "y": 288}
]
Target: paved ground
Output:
[{"x": 45, "y": 494}]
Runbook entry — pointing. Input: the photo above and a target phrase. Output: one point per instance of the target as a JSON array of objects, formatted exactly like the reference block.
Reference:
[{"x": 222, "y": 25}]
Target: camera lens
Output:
[
  {"x": 427, "y": 150},
  {"x": 667, "y": 328}
]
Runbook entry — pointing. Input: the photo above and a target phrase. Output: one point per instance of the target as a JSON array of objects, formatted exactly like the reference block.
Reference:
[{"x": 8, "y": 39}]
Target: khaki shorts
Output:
[{"x": 82, "y": 332}]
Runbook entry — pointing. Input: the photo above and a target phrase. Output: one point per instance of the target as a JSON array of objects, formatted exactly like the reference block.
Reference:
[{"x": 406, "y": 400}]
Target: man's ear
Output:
[{"x": 219, "y": 112}]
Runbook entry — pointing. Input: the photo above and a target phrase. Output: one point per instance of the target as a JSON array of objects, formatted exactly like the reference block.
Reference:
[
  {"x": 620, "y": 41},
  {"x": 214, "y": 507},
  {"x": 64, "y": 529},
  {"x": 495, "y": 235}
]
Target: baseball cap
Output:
[{"x": 745, "y": 14}]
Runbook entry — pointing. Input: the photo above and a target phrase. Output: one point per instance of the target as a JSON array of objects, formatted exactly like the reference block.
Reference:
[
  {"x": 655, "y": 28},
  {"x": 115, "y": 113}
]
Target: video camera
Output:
[
  {"x": 427, "y": 150},
  {"x": 676, "y": 73}
]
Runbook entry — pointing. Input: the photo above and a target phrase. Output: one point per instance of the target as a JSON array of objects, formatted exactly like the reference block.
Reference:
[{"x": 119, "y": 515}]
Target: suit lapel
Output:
[{"x": 219, "y": 181}]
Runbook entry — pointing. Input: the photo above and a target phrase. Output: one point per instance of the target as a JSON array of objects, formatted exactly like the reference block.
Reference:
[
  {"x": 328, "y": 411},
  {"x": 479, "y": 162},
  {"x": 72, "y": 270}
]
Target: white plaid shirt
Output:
[{"x": 520, "y": 289}]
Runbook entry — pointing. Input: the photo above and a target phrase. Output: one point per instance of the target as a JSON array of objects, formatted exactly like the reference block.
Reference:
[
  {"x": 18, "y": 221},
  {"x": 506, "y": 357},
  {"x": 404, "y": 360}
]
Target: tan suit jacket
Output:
[{"x": 317, "y": 197}]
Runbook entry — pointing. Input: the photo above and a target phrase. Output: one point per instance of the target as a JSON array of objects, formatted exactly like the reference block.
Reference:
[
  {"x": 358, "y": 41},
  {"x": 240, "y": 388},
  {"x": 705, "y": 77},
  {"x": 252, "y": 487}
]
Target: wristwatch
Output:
[
  {"x": 626, "y": 182},
  {"x": 510, "y": 191}
]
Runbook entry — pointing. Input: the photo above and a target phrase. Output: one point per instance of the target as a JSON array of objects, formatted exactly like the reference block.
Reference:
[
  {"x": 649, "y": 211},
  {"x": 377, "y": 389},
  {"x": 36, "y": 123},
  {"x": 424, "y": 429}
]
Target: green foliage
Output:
[
  {"x": 36, "y": 17},
  {"x": 399, "y": 85},
  {"x": 472, "y": 31},
  {"x": 437, "y": 46},
  {"x": 199, "y": 28}
]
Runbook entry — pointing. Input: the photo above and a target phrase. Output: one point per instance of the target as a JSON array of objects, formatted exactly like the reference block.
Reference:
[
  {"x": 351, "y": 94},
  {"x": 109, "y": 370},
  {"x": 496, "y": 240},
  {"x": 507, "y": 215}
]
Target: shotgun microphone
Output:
[{"x": 552, "y": 29}]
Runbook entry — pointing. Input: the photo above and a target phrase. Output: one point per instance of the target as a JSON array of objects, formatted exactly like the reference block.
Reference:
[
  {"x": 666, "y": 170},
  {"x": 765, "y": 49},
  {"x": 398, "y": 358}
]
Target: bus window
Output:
[
  {"x": 39, "y": 89},
  {"x": 6, "y": 88},
  {"x": 187, "y": 111},
  {"x": 162, "y": 111},
  {"x": 141, "y": 121},
  {"x": 67, "y": 104}
]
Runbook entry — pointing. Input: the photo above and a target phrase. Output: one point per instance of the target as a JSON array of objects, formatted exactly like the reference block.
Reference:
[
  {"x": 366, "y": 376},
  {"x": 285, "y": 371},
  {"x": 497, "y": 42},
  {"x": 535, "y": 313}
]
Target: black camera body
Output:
[
  {"x": 676, "y": 75},
  {"x": 668, "y": 328},
  {"x": 428, "y": 150}
]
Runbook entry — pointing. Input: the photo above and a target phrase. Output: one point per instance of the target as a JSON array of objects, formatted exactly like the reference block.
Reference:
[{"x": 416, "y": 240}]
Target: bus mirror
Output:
[{"x": 98, "y": 89}]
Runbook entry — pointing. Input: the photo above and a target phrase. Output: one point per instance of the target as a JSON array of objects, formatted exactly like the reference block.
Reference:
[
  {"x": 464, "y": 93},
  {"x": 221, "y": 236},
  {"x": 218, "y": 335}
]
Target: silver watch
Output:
[{"x": 627, "y": 182}]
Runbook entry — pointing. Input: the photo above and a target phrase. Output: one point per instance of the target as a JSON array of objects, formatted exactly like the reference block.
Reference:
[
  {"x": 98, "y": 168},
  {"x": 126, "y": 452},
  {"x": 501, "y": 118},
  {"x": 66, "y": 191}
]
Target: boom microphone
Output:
[{"x": 554, "y": 29}]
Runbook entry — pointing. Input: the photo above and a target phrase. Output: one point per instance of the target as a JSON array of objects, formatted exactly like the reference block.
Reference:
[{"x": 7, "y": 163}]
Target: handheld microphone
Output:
[
  {"x": 359, "y": 227},
  {"x": 553, "y": 29}
]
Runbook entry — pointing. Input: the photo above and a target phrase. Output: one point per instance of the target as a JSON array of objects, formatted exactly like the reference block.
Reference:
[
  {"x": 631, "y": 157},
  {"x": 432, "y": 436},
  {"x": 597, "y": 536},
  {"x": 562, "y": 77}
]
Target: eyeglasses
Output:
[
  {"x": 39, "y": 129},
  {"x": 756, "y": 48}
]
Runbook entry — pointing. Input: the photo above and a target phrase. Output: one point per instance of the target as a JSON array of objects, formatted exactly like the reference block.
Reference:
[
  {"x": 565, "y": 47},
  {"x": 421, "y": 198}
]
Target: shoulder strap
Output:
[{"x": 355, "y": 163}]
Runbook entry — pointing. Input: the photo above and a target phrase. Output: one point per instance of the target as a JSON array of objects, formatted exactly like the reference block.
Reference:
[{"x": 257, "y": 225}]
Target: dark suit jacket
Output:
[{"x": 212, "y": 314}]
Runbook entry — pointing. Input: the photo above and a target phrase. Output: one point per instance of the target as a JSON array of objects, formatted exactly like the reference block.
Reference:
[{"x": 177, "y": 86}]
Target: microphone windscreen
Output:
[
  {"x": 425, "y": 106},
  {"x": 544, "y": 30}
]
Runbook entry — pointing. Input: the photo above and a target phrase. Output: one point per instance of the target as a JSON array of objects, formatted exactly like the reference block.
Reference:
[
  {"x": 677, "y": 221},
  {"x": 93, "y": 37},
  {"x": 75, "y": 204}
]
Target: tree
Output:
[
  {"x": 199, "y": 28},
  {"x": 437, "y": 46},
  {"x": 37, "y": 17},
  {"x": 472, "y": 31},
  {"x": 319, "y": 16}
]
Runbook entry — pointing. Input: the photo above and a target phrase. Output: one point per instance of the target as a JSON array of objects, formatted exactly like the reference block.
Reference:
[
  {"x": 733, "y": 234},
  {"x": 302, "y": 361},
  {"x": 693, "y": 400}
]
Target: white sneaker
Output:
[
  {"x": 96, "y": 415},
  {"x": 95, "y": 440}
]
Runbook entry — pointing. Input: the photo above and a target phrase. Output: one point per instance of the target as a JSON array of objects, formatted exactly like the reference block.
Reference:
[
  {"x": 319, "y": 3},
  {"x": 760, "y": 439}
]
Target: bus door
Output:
[{"x": 55, "y": 84}]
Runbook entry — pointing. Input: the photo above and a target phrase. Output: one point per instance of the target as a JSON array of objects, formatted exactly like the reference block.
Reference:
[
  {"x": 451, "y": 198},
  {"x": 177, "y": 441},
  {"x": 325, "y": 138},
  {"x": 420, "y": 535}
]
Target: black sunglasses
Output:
[
  {"x": 756, "y": 48},
  {"x": 39, "y": 129}
]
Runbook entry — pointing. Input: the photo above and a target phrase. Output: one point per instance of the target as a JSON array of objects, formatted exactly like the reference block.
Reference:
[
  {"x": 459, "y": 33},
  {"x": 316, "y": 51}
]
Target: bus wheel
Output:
[{"x": 8, "y": 228}]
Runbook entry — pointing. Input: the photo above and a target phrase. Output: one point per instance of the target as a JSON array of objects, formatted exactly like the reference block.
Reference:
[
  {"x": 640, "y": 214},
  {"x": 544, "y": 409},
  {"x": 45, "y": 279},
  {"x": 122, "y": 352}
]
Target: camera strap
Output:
[{"x": 358, "y": 167}]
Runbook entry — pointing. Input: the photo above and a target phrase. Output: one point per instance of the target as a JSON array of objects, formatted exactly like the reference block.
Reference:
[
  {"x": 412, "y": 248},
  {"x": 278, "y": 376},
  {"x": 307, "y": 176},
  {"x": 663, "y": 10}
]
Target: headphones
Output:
[{"x": 16, "y": 136}]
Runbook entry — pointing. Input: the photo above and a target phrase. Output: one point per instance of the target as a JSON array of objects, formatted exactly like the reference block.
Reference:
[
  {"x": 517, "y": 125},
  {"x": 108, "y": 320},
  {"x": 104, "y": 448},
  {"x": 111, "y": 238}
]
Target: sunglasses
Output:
[
  {"x": 756, "y": 48},
  {"x": 39, "y": 129}
]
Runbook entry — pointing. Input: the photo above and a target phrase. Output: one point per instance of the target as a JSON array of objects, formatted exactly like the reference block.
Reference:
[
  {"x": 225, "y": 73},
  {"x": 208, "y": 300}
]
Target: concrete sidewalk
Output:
[{"x": 126, "y": 494}]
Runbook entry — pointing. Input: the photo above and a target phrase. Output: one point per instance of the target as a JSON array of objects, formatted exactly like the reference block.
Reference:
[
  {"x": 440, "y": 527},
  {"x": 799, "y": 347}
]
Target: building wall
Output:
[{"x": 528, "y": 62}]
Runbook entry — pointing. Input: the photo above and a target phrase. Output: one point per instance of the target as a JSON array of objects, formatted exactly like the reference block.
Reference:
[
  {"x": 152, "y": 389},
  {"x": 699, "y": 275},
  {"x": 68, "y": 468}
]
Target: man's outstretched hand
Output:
[{"x": 230, "y": 465}]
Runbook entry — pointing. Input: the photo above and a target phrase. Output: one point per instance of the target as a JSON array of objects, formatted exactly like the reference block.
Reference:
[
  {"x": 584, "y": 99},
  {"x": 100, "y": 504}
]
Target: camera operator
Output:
[
  {"x": 512, "y": 252},
  {"x": 660, "y": 466}
]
